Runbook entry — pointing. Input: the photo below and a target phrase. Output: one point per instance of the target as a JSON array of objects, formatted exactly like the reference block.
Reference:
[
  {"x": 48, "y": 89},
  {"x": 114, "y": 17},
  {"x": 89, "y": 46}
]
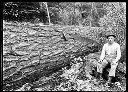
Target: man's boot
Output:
[
  {"x": 109, "y": 81},
  {"x": 100, "y": 76},
  {"x": 97, "y": 75}
]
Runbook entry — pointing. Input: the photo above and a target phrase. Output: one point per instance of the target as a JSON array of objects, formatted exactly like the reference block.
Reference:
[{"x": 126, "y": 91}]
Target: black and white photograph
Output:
[{"x": 64, "y": 46}]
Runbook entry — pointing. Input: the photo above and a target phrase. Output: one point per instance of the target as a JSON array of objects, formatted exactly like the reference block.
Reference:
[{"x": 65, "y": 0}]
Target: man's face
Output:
[{"x": 110, "y": 39}]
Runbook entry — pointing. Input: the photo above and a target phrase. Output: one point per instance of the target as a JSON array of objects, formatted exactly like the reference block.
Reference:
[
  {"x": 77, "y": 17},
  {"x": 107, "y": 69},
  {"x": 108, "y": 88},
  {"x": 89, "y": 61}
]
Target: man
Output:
[{"x": 110, "y": 54}]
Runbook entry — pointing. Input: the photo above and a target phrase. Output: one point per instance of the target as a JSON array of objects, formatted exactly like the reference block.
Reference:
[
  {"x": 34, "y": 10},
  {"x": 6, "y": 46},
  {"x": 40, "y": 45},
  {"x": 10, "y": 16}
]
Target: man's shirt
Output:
[{"x": 112, "y": 51}]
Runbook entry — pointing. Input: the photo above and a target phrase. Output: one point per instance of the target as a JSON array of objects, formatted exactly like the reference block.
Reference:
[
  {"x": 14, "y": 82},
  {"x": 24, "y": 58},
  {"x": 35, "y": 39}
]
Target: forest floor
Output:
[{"x": 73, "y": 79}]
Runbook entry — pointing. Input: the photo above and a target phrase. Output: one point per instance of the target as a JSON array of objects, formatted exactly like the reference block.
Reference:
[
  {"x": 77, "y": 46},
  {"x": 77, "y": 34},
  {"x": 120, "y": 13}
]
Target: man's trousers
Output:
[{"x": 102, "y": 65}]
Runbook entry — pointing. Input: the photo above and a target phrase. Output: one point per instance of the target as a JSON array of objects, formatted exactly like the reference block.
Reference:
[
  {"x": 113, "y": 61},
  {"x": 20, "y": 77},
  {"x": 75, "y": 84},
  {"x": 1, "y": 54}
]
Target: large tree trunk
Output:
[{"x": 37, "y": 57}]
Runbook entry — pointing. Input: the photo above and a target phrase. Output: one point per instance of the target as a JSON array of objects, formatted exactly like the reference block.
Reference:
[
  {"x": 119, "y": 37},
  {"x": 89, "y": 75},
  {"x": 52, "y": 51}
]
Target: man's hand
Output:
[
  {"x": 100, "y": 61},
  {"x": 114, "y": 62}
]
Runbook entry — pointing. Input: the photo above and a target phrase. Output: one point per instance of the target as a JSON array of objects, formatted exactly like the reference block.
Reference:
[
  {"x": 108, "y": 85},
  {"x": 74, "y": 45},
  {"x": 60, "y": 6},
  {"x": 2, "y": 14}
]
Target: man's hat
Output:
[{"x": 110, "y": 34}]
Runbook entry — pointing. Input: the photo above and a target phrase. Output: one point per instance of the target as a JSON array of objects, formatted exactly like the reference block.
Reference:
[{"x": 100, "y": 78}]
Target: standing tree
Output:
[{"x": 47, "y": 11}]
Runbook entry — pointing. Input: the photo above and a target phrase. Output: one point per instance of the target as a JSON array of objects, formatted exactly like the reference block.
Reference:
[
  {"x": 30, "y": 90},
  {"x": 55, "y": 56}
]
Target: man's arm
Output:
[
  {"x": 118, "y": 53},
  {"x": 102, "y": 53}
]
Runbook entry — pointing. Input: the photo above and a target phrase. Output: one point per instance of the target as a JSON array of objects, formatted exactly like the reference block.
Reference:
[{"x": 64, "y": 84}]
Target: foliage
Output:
[
  {"x": 115, "y": 21},
  {"x": 23, "y": 11},
  {"x": 93, "y": 14}
]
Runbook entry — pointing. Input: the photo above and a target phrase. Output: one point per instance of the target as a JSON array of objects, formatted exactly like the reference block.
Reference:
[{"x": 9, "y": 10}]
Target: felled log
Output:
[
  {"x": 49, "y": 54},
  {"x": 31, "y": 73}
]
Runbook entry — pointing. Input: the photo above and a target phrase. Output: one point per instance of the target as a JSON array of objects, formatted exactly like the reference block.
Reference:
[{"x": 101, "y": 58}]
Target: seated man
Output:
[{"x": 110, "y": 54}]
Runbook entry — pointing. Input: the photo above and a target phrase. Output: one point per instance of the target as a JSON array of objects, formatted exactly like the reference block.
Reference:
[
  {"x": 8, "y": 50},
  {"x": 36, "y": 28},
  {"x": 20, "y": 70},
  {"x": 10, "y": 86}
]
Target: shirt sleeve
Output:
[
  {"x": 102, "y": 53},
  {"x": 118, "y": 53}
]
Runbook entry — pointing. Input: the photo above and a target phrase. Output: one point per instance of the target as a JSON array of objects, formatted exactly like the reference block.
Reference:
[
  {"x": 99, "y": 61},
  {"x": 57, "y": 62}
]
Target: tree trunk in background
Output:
[
  {"x": 93, "y": 10},
  {"x": 77, "y": 13},
  {"x": 41, "y": 8},
  {"x": 47, "y": 12}
]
